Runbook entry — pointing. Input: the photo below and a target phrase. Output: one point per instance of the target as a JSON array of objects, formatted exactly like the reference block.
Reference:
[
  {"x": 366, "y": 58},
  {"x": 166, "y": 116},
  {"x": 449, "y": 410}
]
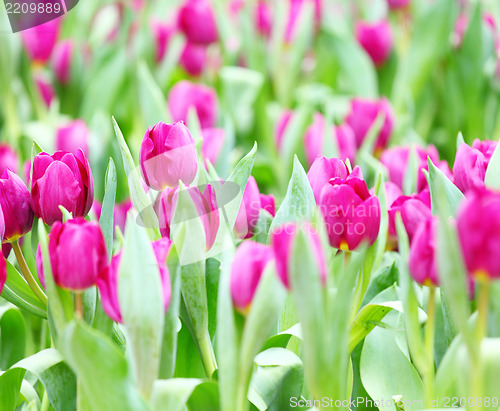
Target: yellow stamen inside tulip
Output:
[
  {"x": 428, "y": 282},
  {"x": 481, "y": 275},
  {"x": 344, "y": 246}
]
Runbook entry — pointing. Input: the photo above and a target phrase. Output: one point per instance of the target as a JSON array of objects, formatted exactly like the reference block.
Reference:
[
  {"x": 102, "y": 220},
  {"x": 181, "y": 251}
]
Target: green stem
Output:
[
  {"x": 45, "y": 402},
  {"x": 27, "y": 273},
  {"x": 79, "y": 305},
  {"x": 429, "y": 342},
  {"x": 207, "y": 354}
]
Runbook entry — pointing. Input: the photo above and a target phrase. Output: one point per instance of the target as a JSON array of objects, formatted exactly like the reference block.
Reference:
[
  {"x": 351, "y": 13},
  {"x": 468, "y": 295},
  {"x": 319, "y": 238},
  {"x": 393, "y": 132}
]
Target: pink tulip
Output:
[
  {"x": 8, "y": 159},
  {"x": 120, "y": 214},
  {"x": 167, "y": 155},
  {"x": 323, "y": 170},
  {"x": 203, "y": 99},
  {"x": 398, "y": 4},
  {"x": 282, "y": 240},
  {"x": 61, "y": 61},
  {"x": 422, "y": 259},
  {"x": 206, "y": 206},
  {"x": 61, "y": 179},
  {"x": 73, "y": 136},
  {"x": 162, "y": 32},
  {"x": 196, "y": 20},
  {"x": 3, "y": 272},
  {"x": 27, "y": 172},
  {"x": 267, "y": 202},
  {"x": 249, "y": 263},
  {"x": 363, "y": 114},
  {"x": 16, "y": 204},
  {"x": 471, "y": 163},
  {"x": 39, "y": 41},
  {"x": 193, "y": 58},
  {"x": 248, "y": 214},
  {"x": 263, "y": 18},
  {"x": 295, "y": 11},
  {"x": 45, "y": 88},
  {"x": 478, "y": 224},
  {"x": 213, "y": 141},
  {"x": 77, "y": 254},
  {"x": 107, "y": 282},
  {"x": 376, "y": 39}
]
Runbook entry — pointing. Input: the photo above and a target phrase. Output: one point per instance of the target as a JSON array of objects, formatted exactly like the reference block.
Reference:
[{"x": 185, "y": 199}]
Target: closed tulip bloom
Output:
[
  {"x": 15, "y": 201},
  {"x": 107, "y": 282},
  {"x": 213, "y": 141},
  {"x": 61, "y": 179},
  {"x": 422, "y": 259},
  {"x": 414, "y": 210},
  {"x": 39, "y": 41},
  {"x": 196, "y": 20},
  {"x": 263, "y": 18},
  {"x": 167, "y": 155},
  {"x": 397, "y": 4},
  {"x": 478, "y": 224},
  {"x": 202, "y": 98},
  {"x": 8, "y": 159},
  {"x": 120, "y": 214},
  {"x": 73, "y": 136},
  {"x": 295, "y": 11},
  {"x": 282, "y": 239},
  {"x": 162, "y": 32},
  {"x": 205, "y": 203},
  {"x": 61, "y": 61},
  {"x": 376, "y": 39},
  {"x": 250, "y": 261},
  {"x": 363, "y": 114},
  {"x": 77, "y": 254},
  {"x": 45, "y": 89},
  {"x": 3, "y": 272},
  {"x": 351, "y": 213},
  {"x": 193, "y": 58},
  {"x": 471, "y": 163},
  {"x": 267, "y": 202},
  {"x": 323, "y": 170},
  {"x": 248, "y": 214}
]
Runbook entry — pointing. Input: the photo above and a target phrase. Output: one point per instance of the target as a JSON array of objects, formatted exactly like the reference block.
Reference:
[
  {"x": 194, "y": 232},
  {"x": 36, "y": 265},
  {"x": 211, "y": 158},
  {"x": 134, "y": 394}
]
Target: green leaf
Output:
[
  {"x": 141, "y": 304},
  {"x": 172, "y": 394},
  {"x": 299, "y": 202},
  {"x": 439, "y": 183},
  {"x": 261, "y": 230},
  {"x": 492, "y": 177},
  {"x": 105, "y": 387},
  {"x": 106, "y": 220},
  {"x": 13, "y": 333},
  {"x": 294, "y": 132},
  {"x": 205, "y": 397},
  {"x": 10, "y": 386},
  {"x": 151, "y": 99}
]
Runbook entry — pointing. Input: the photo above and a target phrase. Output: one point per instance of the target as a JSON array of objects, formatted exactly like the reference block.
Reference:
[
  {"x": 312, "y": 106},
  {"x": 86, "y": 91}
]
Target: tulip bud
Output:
[
  {"x": 363, "y": 114},
  {"x": 61, "y": 61},
  {"x": 422, "y": 259},
  {"x": 323, "y": 170},
  {"x": 213, "y": 141},
  {"x": 471, "y": 163},
  {"x": 15, "y": 201},
  {"x": 414, "y": 210},
  {"x": 196, "y": 20},
  {"x": 263, "y": 18},
  {"x": 193, "y": 58},
  {"x": 282, "y": 239},
  {"x": 478, "y": 224},
  {"x": 2, "y": 226},
  {"x": 3, "y": 273},
  {"x": 397, "y": 4},
  {"x": 45, "y": 88},
  {"x": 248, "y": 214},
  {"x": 206, "y": 206},
  {"x": 120, "y": 214},
  {"x": 162, "y": 33},
  {"x": 249, "y": 262},
  {"x": 61, "y": 179},
  {"x": 107, "y": 282},
  {"x": 295, "y": 10},
  {"x": 8, "y": 159},
  {"x": 351, "y": 214},
  {"x": 77, "y": 254},
  {"x": 376, "y": 39},
  {"x": 73, "y": 136},
  {"x": 267, "y": 203},
  {"x": 203, "y": 99},
  {"x": 167, "y": 155},
  {"x": 280, "y": 128},
  {"x": 39, "y": 41}
]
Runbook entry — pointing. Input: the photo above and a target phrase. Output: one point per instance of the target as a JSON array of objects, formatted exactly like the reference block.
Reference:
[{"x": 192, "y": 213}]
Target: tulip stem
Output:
[
  {"x": 27, "y": 273},
  {"x": 79, "y": 305},
  {"x": 207, "y": 354},
  {"x": 429, "y": 342}
]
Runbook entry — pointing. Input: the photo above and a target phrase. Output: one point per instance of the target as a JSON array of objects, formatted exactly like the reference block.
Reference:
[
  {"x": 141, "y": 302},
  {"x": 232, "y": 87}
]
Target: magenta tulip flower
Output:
[
  {"x": 471, "y": 163},
  {"x": 351, "y": 213},
  {"x": 280, "y": 128},
  {"x": 323, "y": 170},
  {"x": 162, "y": 32},
  {"x": 61, "y": 179},
  {"x": 376, "y": 39},
  {"x": 398, "y": 4},
  {"x": 422, "y": 259},
  {"x": 363, "y": 114},
  {"x": 3, "y": 272},
  {"x": 478, "y": 224},
  {"x": 196, "y": 20},
  {"x": 295, "y": 11},
  {"x": 267, "y": 202},
  {"x": 120, "y": 214},
  {"x": 61, "y": 61},
  {"x": 263, "y": 18},
  {"x": 107, "y": 282},
  {"x": 8, "y": 159},
  {"x": 282, "y": 239},
  {"x": 248, "y": 214},
  {"x": 249, "y": 263},
  {"x": 73, "y": 136},
  {"x": 205, "y": 203},
  {"x": 39, "y": 41},
  {"x": 45, "y": 88},
  {"x": 168, "y": 154},
  {"x": 202, "y": 98},
  {"x": 213, "y": 141},
  {"x": 77, "y": 254},
  {"x": 193, "y": 58},
  {"x": 16, "y": 204}
]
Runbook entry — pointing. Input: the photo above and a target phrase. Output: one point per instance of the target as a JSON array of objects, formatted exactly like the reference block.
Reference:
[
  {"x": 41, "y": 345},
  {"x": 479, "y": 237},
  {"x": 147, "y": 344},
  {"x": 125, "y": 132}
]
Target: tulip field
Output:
[{"x": 241, "y": 205}]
